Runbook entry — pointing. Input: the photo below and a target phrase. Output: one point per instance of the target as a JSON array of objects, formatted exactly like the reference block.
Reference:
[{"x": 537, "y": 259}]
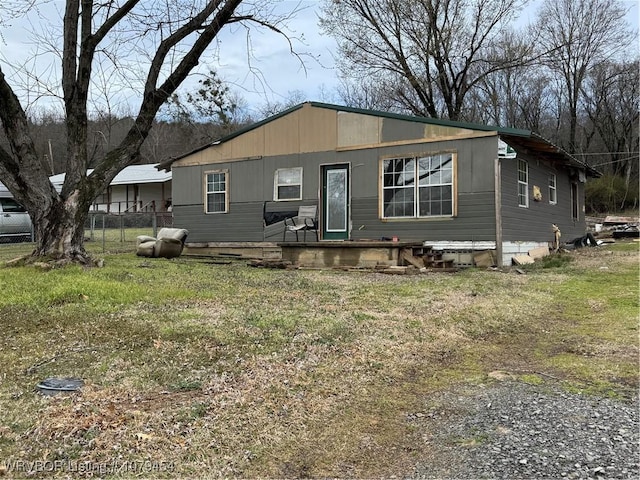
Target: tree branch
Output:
[
  {"x": 70, "y": 49},
  {"x": 128, "y": 151},
  {"x": 21, "y": 172}
]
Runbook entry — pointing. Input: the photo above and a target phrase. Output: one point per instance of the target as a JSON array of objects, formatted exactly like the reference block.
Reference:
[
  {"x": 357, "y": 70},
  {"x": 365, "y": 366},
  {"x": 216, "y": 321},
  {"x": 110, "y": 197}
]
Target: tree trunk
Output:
[
  {"x": 59, "y": 217},
  {"x": 627, "y": 184},
  {"x": 59, "y": 231}
]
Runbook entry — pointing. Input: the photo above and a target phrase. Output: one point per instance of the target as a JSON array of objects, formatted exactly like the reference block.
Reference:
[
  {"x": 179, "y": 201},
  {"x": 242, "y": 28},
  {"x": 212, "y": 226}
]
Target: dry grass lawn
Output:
[{"x": 195, "y": 369}]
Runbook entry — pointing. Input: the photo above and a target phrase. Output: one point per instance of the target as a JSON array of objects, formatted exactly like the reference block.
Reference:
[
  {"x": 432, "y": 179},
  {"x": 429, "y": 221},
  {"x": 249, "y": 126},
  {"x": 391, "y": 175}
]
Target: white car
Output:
[{"x": 14, "y": 220}]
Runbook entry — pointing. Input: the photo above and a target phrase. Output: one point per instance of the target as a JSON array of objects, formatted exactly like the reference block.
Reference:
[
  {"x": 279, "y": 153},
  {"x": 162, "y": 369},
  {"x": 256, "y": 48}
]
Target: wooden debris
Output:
[
  {"x": 539, "y": 252},
  {"x": 618, "y": 220},
  {"x": 442, "y": 264},
  {"x": 407, "y": 258},
  {"x": 399, "y": 270},
  {"x": 484, "y": 259},
  {"x": 412, "y": 270},
  {"x": 522, "y": 260},
  {"x": 282, "y": 264},
  {"x": 394, "y": 270},
  {"x": 443, "y": 269}
]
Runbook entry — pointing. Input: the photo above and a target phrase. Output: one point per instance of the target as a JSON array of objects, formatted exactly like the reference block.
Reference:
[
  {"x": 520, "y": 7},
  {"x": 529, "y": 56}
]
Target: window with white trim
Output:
[
  {"x": 287, "y": 184},
  {"x": 417, "y": 187},
  {"x": 553, "y": 192},
  {"x": 216, "y": 198},
  {"x": 523, "y": 184}
]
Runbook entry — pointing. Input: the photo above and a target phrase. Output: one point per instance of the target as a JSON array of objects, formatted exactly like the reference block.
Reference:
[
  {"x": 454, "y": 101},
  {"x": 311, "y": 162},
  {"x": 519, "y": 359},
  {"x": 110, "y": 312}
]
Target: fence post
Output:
[
  {"x": 121, "y": 229},
  {"x": 103, "y": 233},
  {"x": 154, "y": 224}
]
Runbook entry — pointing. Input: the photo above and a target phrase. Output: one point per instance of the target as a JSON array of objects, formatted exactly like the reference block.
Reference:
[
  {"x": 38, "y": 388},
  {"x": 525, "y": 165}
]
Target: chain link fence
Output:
[
  {"x": 124, "y": 228},
  {"x": 112, "y": 228}
]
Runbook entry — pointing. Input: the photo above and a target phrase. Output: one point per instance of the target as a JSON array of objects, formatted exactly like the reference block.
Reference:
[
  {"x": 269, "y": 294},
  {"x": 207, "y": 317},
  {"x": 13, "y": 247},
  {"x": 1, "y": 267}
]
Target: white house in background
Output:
[
  {"x": 4, "y": 192},
  {"x": 137, "y": 188}
]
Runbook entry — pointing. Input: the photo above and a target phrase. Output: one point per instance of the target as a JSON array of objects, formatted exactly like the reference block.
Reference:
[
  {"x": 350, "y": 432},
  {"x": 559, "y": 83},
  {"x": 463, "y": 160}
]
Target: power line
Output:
[
  {"x": 601, "y": 153},
  {"x": 615, "y": 161}
]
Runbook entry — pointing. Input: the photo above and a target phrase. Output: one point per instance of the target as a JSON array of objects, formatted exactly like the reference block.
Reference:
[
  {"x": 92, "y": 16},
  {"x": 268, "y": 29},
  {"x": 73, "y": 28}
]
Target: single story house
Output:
[
  {"x": 380, "y": 176},
  {"x": 137, "y": 188}
]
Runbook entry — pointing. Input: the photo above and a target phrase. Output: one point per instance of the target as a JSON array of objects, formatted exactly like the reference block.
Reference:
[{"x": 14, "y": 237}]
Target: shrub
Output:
[{"x": 609, "y": 193}]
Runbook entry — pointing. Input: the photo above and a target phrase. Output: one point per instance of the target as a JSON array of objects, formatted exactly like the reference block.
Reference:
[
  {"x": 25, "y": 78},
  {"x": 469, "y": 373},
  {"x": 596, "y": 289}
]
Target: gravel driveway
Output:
[{"x": 512, "y": 430}]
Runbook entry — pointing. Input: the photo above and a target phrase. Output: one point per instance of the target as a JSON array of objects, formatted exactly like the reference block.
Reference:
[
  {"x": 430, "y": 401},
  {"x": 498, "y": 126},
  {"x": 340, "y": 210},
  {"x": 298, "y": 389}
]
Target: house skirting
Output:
[
  {"x": 324, "y": 254},
  {"x": 328, "y": 254},
  {"x": 462, "y": 252},
  {"x": 259, "y": 250},
  {"x": 511, "y": 249}
]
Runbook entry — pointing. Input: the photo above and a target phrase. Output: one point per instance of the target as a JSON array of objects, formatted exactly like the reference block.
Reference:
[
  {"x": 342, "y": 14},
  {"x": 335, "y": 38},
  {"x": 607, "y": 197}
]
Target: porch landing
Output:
[{"x": 325, "y": 254}]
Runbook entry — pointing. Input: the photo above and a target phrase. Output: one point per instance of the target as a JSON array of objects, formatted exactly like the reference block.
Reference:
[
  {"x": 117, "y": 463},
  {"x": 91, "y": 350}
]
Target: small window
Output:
[
  {"x": 217, "y": 199},
  {"x": 523, "y": 184},
  {"x": 287, "y": 184},
  {"x": 553, "y": 193}
]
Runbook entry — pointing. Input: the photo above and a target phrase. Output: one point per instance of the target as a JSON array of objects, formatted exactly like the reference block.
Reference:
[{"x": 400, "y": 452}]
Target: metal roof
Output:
[
  {"x": 131, "y": 175},
  {"x": 545, "y": 149},
  {"x": 4, "y": 191}
]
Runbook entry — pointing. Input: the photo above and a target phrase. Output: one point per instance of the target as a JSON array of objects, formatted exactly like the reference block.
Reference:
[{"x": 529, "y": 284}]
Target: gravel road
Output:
[{"x": 512, "y": 430}]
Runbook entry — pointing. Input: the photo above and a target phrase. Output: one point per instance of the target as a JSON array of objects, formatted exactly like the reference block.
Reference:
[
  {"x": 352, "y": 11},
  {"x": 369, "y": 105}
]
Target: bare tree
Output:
[
  {"x": 368, "y": 94},
  {"x": 576, "y": 36},
  {"x": 428, "y": 54},
  {"x": 611, "y": 103},
  {"x": 523, "y": 97},
  {"x": 163, "y": 40},
  {"x": 293, "y": 98}
]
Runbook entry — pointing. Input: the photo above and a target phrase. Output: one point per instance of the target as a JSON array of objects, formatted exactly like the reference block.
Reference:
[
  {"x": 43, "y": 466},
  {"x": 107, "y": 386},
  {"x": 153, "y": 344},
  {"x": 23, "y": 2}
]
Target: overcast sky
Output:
[
  {"x": 275, "y": 73},
  {"x": 283, "y": 72},
  {"x": 264, "y": 71}
]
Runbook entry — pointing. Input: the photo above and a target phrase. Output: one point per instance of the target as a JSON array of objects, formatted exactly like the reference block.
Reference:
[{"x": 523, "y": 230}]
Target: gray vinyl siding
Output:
[
  {"x": 475, "y": 164},
  {"x": 244, "y": 225},
  {"x": 250, "y": 190},
  {"x": 476, "y": 186},
  {"x": 187, "y": 186},
  {"x": 534, "y": 223},
  {"x": 394, "y": 130},
  {"x": 475, "y": 222}
]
